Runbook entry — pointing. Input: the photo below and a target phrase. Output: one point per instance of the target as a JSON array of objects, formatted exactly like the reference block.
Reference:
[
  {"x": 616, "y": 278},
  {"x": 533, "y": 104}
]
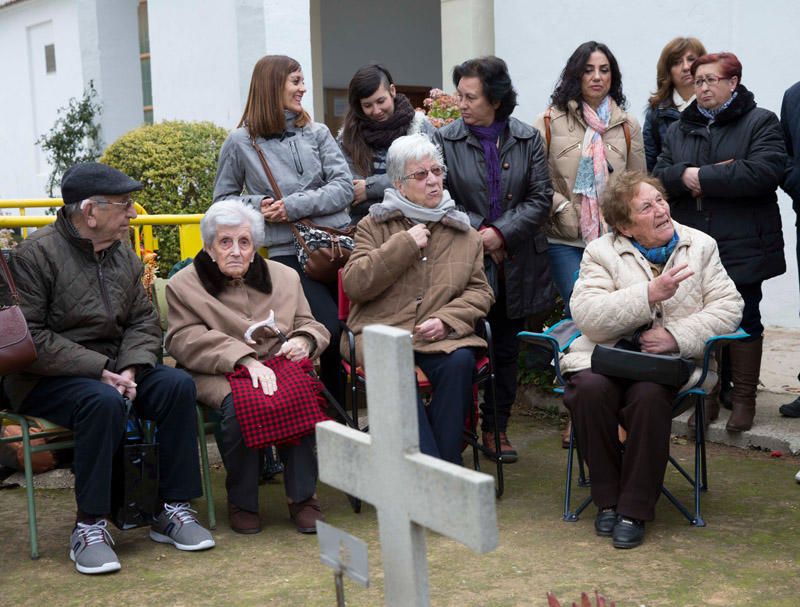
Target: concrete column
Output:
[{"x": 467, "y": 31}]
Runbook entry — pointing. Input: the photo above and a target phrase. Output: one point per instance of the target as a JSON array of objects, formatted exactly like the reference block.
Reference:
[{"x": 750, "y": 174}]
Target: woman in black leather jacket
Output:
[{"x": 497, "y": 171}]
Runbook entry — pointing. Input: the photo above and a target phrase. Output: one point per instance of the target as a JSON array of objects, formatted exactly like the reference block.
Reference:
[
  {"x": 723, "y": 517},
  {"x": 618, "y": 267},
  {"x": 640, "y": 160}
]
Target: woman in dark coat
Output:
[
  {"x": 498, "y": 171},
  {"x": 674, "y": 93},
  {"x": 721, "y": 164}
]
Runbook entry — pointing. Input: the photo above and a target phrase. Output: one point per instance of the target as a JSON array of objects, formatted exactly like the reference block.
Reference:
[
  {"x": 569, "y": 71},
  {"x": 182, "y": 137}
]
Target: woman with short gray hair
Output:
[
  {"x": 212, "y": 304},
  {"x": 418, "y": 265}
]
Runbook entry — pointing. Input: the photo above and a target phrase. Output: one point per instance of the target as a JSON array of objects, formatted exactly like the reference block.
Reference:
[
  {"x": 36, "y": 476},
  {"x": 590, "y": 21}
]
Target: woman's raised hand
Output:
[
  {"x": 420, "y": 234},
  {"x": 261, "y": 375},
  {"x": 665, "y": 286}
]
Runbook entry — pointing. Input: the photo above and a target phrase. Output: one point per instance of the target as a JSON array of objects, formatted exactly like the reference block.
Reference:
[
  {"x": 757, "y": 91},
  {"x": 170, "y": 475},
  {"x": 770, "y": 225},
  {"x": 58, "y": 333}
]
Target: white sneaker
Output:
[
  {"x": 90, "y": 548},
  {"x": 797, "y": 477}
]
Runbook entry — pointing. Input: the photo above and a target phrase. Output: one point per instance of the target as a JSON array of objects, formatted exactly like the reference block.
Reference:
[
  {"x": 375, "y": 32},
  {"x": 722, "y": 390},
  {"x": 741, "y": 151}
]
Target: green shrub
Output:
[{"x": 177, "y": 162}]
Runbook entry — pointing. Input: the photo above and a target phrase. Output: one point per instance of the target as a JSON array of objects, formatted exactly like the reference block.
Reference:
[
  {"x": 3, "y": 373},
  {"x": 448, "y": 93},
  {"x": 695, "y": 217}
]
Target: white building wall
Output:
[
  {"x": 536, "y": 38},
  {"x": 29, "y": 98},
  {"x": 202, "y": 54}
]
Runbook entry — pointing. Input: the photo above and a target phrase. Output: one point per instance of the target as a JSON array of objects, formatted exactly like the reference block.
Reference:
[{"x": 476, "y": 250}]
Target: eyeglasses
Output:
[
  {"x": 709, "y": 80},
  {"x": 422, "y": 174},
  {"x": 128, "y": 204}
]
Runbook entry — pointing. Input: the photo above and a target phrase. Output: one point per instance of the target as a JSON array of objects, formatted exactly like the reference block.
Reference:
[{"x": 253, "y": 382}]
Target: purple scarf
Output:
[{"x": 488, "y": 135}]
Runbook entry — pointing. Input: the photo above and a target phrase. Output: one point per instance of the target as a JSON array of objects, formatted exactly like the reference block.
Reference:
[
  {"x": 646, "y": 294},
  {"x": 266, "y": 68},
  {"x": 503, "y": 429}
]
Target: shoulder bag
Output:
[
  {"x": 626, "y": 362},
  {"x": 17, "y": 350},
  {"x": 321, "y": 251}
]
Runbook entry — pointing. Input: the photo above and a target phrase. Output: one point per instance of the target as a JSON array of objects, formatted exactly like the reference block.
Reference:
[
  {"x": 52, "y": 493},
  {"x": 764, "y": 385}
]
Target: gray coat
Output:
[
  {"x": 526, "y": 197},
  {"x": 308, "y": 167}
]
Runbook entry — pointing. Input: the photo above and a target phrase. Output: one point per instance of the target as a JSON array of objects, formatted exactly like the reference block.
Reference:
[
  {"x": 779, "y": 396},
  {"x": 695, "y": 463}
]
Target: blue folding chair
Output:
[{"x": 558, "y": 338}]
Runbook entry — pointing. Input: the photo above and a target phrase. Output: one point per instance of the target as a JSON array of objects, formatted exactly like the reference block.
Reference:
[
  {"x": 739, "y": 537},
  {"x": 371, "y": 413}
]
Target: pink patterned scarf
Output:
[{"x": 593, "y": 169}]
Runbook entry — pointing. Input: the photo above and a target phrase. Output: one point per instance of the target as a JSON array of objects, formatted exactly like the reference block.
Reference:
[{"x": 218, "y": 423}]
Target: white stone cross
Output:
[{"x": 409, "y": 490}]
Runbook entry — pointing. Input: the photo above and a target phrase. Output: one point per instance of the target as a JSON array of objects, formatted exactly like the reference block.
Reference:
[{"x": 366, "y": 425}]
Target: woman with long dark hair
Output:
[
  {"x": 377, "y": 115},
  {"x": 588, "y": 136},
  {"x": 310, "y": 171}
]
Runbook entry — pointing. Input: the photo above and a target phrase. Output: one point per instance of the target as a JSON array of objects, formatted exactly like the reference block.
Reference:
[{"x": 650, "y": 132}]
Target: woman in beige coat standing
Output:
[{"x": 588, "y": 136}]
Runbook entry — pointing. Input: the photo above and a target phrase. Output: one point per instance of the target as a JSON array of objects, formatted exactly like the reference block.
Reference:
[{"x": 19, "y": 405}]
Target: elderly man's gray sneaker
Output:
[
  {"x": 178, "y": 526},
  {"x": 90, "y": 548}
]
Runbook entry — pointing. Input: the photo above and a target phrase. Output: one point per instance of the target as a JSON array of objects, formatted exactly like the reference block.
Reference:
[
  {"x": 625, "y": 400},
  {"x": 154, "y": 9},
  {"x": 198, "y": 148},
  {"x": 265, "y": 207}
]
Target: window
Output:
[
  {"x": 50, "y": 58},
  {"x": 144, "y": 58}
]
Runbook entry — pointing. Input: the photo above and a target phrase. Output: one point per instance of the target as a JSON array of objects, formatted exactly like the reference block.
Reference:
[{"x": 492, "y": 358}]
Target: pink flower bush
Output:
[{"x": 440, "y": 108}]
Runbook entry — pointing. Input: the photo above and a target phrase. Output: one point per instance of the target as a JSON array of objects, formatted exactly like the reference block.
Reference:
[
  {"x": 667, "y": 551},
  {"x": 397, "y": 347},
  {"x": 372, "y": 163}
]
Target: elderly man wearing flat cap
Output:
[{"x": 98, "y": 340}]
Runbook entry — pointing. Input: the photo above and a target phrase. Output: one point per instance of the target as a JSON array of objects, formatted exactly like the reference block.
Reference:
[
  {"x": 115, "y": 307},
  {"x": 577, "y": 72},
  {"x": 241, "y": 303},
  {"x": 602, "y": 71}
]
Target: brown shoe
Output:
[
  {"x": 305, "y": 515},
  {"x": 745, "y": 368},
  {"x": 243, "y": 521},
  {"x": 506, "y": 449}
]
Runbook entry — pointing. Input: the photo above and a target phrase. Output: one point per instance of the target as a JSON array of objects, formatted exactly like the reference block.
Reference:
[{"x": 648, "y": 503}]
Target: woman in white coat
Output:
[{"x": 665, "y": 281}]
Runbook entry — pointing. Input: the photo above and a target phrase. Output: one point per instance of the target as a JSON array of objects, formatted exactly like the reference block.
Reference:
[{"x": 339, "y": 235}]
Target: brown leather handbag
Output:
[
  {"x": 321, "y": 250},
  {"x": 16, "y": 346}
]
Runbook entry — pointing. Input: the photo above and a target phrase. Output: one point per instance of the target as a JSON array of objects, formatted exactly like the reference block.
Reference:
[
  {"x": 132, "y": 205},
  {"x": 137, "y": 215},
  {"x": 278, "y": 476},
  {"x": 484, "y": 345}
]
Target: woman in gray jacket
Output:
[{"x": 309, "y": 169}]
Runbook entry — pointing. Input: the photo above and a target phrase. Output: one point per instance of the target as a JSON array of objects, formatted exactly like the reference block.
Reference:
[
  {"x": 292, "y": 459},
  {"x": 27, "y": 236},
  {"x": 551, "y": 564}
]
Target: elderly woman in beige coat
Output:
[
  {"x": 418, "y": 265},
  {"x": 665, "y": 280},
  {"x": 212, "y": 303}
]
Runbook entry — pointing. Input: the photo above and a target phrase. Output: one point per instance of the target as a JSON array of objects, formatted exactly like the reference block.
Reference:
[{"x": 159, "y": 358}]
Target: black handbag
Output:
[
  {"x": 134, "y": 476},
  {"x": 626, "y": 362}
]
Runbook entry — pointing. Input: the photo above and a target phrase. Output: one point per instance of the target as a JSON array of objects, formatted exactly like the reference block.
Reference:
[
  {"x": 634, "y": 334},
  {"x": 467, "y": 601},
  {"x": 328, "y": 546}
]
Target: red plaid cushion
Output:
[{"x": 286, "y": 416}]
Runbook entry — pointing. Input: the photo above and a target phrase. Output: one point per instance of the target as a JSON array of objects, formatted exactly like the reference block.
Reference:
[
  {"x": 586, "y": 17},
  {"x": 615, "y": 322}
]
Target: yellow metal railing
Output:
[{"x": 188, "y": 225}]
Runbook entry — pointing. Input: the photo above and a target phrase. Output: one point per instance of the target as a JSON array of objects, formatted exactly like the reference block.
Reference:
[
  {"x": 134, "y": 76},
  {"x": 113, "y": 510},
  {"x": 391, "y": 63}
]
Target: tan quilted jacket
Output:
[
  {"x": 610, "y": 297},
  {"x": 567, "y": 130},
  {"x": 390, "y": 281}
]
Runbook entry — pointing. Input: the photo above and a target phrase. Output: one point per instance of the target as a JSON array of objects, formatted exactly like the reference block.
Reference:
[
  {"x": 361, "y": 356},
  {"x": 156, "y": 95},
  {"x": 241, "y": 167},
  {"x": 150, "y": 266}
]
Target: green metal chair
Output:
[{"x": 58, "y": 438}]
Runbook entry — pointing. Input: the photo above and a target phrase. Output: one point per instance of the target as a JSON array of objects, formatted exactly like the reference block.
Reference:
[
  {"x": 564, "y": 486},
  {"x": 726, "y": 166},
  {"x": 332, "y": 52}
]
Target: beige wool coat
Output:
[
  {"x": 389, "y": 280},
  {"x": 610, "y": 301},
  {"x": 567, "y": 130},
  {"x": 206, "y": 333}
]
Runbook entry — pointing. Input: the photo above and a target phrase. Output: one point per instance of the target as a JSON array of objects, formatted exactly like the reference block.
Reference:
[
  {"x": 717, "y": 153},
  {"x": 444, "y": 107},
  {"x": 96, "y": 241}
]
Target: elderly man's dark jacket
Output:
[
  {"x": 526, "y": 198},
  {"x": 742, "y": 159},
  {"x": 86, "y": 312}
]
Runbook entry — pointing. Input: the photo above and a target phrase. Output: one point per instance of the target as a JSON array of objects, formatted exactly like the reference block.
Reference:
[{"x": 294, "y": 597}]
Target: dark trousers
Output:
[
  {"x": 631, "y": 482},
  {"x": 506, "y": 352},
  {"x": 323, "y": 300},
  {"x": 441, "y": 423},
  {"x": 95, "y": 412},
  {"x": 243, "y": 465},
  {"x": 751, "y": 315}
]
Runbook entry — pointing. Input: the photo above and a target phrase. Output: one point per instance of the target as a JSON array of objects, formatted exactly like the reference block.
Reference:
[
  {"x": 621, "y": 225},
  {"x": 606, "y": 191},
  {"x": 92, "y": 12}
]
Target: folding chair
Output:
[
  {"x": 58, "y": 438},
  {"x": 557, "y": 339},
  {"x": 483, "y": 375}
]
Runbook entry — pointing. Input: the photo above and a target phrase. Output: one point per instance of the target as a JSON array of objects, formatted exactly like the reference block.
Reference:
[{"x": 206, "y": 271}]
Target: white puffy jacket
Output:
[{"x": 609, "y": 301}]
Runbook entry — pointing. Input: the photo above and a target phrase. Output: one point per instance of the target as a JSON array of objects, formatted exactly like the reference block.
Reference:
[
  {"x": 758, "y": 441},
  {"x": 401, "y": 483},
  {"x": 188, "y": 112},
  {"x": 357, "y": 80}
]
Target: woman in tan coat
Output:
[
  {"x": 588, "y": 136},
  {"x": 418, "y": 265},
  {"x": 212, "y": 303},
  {"x": 665, "y": 282}
]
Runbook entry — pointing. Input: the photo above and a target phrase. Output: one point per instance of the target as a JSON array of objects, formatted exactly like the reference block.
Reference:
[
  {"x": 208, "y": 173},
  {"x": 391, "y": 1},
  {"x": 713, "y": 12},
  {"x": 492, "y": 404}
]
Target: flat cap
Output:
[{"x": 86, "y": 179}]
